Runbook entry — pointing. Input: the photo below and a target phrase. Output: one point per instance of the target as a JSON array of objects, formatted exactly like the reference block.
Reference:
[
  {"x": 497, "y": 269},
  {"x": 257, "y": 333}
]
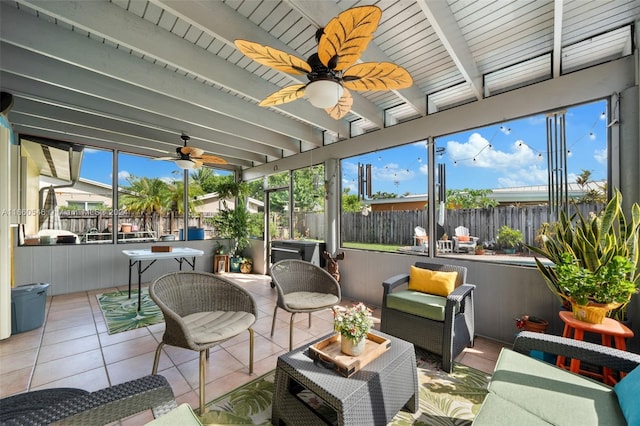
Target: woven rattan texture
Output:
[
  {"x": 371, "y": 396},
  {"x": 182, "y": 293},
  {"x": 106, "y": 405},
  {"x": 447, "y": 338},
  {"x": 592, "y": 353},
  {"x": 291, "y": 275}
]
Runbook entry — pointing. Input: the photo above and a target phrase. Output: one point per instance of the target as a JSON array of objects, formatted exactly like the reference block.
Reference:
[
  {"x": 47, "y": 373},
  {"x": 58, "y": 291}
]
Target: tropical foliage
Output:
[
  {"x": 121, "y": 312},
  {"x": 469, "y": 198},
  {"x": 585, "y": 247},
  {"x": 445, "y": 399},
  {"x": 509, "y": 238}
]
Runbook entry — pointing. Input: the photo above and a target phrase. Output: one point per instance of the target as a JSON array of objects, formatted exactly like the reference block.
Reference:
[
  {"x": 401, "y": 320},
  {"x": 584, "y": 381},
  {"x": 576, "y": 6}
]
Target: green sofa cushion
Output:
[
  {"x": 498, "y": 411},
  {"x": 555, "y": 395},
  {"x": 417, "y": 303}
]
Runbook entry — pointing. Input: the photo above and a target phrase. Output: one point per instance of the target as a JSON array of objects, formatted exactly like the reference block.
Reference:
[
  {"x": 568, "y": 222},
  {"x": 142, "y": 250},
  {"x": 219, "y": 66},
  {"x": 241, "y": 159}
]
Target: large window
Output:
[
  {"x": 496, "y": 186},
  {"x": 69, "y": 196},
  {"x": 65, "y": 198}
]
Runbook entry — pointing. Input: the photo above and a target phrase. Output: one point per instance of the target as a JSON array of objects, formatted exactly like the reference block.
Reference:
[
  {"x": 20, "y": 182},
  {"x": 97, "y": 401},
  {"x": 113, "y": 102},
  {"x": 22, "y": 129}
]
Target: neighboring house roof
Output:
[{"x": 520, "y": 194}]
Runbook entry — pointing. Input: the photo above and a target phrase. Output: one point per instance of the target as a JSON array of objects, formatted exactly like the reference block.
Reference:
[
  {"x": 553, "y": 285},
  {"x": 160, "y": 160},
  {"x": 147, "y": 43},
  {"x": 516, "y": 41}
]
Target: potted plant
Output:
[
  {"x": 595, "y": 260},
  {"x": 353, "y": 324},
  {"x": 233, "y": 223},
  {"x": 246, "y": 265},
  {"x": 509, "y": 239},
  {"x": 480, "y": 249}
]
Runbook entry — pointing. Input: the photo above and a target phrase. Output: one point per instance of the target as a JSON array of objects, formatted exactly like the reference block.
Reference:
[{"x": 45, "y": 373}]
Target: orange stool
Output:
[{"x": 608, "y": 329}]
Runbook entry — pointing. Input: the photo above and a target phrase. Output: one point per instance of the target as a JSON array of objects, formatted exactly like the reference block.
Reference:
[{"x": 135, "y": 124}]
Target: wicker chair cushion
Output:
[
  {"x": 553, "y": 394},
  {"x": 208, "y": 327},
  {"x": 439, "y": 283},
  {"x": 309, "y": 300},
  {"x": 420, "y": 304}
]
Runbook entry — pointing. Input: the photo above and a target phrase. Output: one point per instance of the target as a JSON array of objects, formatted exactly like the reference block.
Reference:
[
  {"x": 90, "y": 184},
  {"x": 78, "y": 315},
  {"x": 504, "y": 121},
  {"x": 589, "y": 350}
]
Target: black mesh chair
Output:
[{"x": 447, "y": 337}]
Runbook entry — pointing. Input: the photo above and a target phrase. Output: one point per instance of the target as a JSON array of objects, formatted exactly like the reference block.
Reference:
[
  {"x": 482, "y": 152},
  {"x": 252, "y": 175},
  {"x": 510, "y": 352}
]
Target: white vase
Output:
[{"x": 352, "y": 348}]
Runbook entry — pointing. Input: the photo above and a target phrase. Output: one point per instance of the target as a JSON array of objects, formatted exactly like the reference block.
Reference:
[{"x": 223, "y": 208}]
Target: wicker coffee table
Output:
[{"x": 311, "y": 394}]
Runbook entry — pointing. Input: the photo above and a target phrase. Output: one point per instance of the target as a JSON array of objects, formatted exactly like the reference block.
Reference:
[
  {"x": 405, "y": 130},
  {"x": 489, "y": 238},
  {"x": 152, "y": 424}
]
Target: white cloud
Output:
[
  {"x": 350, "y": 185},
  {"x": 600, "y": 155},
  {"x": 531, "y": 175},
  {"x": 392, "y": 172},
  {"x": 123, "y": 175},
  {"x": 477, "y": 147}
]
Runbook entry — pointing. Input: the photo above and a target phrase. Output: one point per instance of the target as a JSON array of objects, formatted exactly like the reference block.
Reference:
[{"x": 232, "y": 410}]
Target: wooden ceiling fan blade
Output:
[
  {"x": 346, "y": 36},
  {"x": 192, "y": 151},
  {"x": 282, "y": 96},
  {"x": 196, "y": 163},
  {"x": 211, "y": 159},
  {"x": 274, "y": 58},
  {"x": 376, "y": 76},
  {"x": 342, "y": 107}
]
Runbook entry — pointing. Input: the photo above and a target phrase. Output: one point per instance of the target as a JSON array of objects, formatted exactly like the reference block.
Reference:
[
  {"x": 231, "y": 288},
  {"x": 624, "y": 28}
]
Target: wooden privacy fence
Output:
[
  {"x": 80, "y": 222},
  {"x": 397, "y": 227}
]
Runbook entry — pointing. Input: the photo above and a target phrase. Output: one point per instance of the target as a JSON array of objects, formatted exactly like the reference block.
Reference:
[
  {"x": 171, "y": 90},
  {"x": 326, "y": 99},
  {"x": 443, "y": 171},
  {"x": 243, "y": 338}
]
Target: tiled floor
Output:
[{"x": 73, "y": 349}]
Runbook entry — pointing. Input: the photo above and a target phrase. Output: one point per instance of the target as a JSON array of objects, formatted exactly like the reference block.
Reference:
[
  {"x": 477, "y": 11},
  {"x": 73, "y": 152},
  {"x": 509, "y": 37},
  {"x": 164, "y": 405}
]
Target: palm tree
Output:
[{"x": 146, "y": 196}]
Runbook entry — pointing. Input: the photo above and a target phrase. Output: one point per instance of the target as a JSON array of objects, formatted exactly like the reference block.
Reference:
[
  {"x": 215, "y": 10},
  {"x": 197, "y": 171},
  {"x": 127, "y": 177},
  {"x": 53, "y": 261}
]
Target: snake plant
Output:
[{"x": 592, "y": 244}]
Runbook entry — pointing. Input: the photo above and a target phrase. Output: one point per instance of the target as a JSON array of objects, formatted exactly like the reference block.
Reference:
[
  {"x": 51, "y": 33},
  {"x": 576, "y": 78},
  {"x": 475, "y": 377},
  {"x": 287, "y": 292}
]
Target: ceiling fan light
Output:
[
  {"x": 185, "y": 164},
  {"x": 323, "y": 93}
]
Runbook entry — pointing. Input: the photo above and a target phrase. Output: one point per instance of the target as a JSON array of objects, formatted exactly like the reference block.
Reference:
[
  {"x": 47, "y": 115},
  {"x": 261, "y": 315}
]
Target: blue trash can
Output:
[{"x": 28, "y": 307}]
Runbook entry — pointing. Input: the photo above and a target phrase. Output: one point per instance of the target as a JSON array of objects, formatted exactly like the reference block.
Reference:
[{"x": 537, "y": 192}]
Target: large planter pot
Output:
[
  {"x": 592, "y": 312},
  {"x": 347, "y": 346}
]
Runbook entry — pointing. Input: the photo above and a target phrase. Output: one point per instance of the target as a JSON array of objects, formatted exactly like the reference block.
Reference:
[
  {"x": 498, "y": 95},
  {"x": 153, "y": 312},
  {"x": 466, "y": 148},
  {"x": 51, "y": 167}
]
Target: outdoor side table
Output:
[
  {"x": 609, "y": 329},
  {"x": 180, "y": 254},
  {"x": 372, "y": 396}
]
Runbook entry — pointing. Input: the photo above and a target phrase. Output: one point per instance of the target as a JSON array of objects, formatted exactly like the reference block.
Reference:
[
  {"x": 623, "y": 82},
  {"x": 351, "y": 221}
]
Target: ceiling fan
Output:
[
  {"x": 192, "y": 158},
  {"x": 331, "y": 71}
]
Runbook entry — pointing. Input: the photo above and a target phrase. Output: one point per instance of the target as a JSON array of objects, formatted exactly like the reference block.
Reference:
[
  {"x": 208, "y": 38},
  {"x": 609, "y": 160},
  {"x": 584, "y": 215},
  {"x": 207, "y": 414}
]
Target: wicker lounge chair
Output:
[
  {"x": 202, "y": 310},
  {"x": 447, "y": 337},
  {"x": 302, "y": 287},
  {"x": 77, "y": 406}
]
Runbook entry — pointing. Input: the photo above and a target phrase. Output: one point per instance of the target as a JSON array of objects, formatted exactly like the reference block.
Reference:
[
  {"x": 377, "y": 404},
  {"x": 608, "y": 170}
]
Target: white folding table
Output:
[{"x": 180, "y": 254}]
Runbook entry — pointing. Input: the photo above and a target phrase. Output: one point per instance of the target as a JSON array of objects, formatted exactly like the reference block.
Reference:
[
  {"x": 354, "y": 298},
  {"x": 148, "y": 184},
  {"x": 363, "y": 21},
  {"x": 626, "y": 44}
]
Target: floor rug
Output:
[
  {"x": 121, "y": 313},
  {"x": 445, "y": 399}
]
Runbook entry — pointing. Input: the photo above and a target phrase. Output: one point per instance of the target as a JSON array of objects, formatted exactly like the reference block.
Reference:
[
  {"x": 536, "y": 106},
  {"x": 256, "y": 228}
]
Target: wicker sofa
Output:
[
  {"x": 80, "y": 407},
  {"x": 527, "y": 391}
]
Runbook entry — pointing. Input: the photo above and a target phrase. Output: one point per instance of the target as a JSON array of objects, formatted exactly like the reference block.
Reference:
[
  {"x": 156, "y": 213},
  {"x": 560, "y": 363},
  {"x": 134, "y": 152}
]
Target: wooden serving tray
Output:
[
  {"x": 329, "y": 351},
  {"x": 161, "y": 249}
]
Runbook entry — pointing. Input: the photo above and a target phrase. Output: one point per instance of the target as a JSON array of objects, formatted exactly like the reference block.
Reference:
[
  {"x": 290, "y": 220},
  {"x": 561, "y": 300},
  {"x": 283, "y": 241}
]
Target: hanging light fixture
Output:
[
  {"x": 324, "y": 93},
  {"x": 185, "y": 164}
]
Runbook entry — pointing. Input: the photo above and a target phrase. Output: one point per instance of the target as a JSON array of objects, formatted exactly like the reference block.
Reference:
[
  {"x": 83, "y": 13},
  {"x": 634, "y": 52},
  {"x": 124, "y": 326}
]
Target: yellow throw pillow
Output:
[{"x": 432, "y": 282}]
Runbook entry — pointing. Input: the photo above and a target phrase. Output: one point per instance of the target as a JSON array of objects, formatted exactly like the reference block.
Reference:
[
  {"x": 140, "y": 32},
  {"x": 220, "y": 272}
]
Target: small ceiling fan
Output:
[
  {"x": 331, "y": 71},
  {"x": 192, "y": 158}
]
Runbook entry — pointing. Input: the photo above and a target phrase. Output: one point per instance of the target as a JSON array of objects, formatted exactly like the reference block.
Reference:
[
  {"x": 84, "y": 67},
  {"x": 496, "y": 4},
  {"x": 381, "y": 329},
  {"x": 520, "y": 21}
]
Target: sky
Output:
[{"x": 503, "y": 155}]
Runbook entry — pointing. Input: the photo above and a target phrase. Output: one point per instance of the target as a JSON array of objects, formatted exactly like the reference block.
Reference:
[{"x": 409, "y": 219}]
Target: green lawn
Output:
[{"x": 371, "y": 246}]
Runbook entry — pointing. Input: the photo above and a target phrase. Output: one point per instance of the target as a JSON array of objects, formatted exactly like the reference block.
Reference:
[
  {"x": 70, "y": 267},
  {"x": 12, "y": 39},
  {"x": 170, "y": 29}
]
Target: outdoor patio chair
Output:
[
  {"x": 432, "y": 311},
  {"x": 202, "y": 310},
  {"x": 302, "y": 287},
  {"x": 462, "y": 241},
  {"x": 420, "y": 237}
]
